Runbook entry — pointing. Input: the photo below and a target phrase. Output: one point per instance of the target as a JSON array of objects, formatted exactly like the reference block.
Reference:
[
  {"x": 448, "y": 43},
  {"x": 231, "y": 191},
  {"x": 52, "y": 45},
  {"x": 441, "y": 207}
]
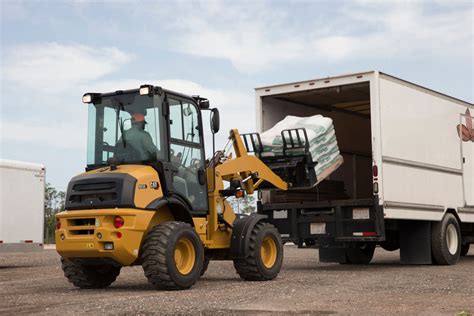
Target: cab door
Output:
[{"x": 186, "y": 152}]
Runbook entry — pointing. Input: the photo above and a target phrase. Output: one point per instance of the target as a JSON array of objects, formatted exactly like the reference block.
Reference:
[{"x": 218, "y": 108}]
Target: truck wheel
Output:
[
  {"x": 446, "y": 240},
  {"x": 391, "y": 242},
  {"x": 361, "y": 253},
  {"x": 205, "y": 265},
  {"x": 465, "y": 249},
  {"x": 172, "y": 256},
  {"x": 265, "y": 254},
  {"x": 90, "y": 276}
]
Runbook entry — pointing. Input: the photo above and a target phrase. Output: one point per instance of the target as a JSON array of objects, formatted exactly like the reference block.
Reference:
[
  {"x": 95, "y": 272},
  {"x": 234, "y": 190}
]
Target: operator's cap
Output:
[{"x": 138, "y": 117}]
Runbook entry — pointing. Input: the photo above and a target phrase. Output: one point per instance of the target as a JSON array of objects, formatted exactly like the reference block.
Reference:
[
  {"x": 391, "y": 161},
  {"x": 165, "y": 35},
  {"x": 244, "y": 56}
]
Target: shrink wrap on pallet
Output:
[{"x": 321, "y": 138}]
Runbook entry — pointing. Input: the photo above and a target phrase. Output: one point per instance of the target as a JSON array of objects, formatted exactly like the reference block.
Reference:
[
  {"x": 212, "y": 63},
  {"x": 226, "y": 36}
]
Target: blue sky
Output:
[{"x": 54, "y": 51}]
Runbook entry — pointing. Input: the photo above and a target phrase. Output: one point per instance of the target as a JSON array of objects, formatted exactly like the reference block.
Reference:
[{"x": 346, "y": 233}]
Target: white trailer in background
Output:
[
  {"x": 407, "y": 176},
  {"x": 22, "y": 186}
]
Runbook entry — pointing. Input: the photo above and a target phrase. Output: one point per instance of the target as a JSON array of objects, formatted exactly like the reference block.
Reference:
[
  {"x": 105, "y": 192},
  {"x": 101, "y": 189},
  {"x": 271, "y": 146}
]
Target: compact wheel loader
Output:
[{"x": 149, "y": 197}]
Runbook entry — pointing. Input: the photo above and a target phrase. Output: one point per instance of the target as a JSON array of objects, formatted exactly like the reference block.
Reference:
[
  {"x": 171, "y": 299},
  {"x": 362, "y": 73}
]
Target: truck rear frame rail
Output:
[{"x": 327, "y": 222}]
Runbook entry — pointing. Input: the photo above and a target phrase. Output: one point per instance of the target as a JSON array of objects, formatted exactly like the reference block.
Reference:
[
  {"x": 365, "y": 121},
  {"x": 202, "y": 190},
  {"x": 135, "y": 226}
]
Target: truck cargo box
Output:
[
  {"x": 22, "y": 186},
  {"x": 408, "y": 154}
]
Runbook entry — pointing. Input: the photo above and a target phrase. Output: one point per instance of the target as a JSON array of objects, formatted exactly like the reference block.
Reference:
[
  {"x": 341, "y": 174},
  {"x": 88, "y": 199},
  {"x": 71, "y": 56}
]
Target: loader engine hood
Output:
[{"x": 129, "y": 186}]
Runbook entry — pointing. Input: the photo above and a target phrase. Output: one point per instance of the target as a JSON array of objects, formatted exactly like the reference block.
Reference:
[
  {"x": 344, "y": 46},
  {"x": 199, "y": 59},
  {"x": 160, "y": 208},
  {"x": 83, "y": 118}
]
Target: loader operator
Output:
[{"x": 136, "y": 144}]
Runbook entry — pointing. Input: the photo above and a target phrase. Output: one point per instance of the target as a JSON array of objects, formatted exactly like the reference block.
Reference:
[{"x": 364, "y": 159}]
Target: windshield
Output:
[{"x": 125, "y": 127}]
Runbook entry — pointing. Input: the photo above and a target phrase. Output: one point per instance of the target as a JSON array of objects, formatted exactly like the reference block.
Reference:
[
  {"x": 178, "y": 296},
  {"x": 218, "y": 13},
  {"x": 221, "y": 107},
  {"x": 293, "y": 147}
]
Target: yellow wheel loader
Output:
[{"x": 149, "y": 197}]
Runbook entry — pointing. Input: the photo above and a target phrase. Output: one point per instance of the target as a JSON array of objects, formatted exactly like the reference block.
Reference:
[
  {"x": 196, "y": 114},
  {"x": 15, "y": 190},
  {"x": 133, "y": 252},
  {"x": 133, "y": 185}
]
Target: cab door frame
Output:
[{"x": 199, "y": 146}]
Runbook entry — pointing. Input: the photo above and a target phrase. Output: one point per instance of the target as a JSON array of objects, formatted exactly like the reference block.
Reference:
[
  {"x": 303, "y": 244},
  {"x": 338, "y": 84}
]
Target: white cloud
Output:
[
  {"x": 54, "y": 67},
  {"x": 255, "y": 36},
  {"x": 66, "y": 134}
]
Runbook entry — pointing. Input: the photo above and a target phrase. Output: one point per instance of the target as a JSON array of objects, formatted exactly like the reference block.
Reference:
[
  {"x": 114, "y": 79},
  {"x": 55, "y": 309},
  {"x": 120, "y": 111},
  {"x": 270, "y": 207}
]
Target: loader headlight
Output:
[
  {"x": 91, "y": 97},
  {"x": 87, "y": 98},
  {"x": 146, "y": 89}
]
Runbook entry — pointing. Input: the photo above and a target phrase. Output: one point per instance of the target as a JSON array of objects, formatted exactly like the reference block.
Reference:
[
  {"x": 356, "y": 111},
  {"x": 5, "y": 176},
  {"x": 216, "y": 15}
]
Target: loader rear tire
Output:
[
  {"x": 90, "y": 276},
  {"x": 362, "y": 253},
  {"x": 265, "y": 254},
  {"x": 172, "y": 256},
  {"x": 446, "y": 240}
]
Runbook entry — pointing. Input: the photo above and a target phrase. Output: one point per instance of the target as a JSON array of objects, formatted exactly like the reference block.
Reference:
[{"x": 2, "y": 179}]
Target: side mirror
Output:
[
  {"x": 203, "y": 104},
  {"x": 215, "y": 121}
]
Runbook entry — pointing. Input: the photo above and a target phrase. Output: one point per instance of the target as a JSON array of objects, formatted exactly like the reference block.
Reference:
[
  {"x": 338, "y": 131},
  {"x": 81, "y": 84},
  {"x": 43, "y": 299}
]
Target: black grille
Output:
[
  {"x": 86, "y": 192},
  {"x": 94, "y": 186},
  {"x": 100, "y": 191}
]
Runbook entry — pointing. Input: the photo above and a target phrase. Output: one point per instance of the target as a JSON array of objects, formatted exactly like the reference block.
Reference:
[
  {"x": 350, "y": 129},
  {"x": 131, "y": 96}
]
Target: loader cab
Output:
[{"x": 151, "y": 126}]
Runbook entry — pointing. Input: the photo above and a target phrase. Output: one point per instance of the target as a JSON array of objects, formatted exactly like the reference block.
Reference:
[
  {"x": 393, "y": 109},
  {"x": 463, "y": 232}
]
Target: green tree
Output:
[
  {"x": 53, "y": 203},
  {"x": 246, "y": 205}
]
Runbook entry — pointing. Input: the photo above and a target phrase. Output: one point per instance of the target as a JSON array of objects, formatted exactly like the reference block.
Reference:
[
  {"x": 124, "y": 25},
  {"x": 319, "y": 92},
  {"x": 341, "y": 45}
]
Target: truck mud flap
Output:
[{"x": 415, "y": 242}]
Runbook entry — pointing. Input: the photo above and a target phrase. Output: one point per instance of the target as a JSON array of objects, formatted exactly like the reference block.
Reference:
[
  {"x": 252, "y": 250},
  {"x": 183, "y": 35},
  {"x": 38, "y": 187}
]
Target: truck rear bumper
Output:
[
  {"x": 92, "y": 234},
  {"x": 327, "y": 222}
]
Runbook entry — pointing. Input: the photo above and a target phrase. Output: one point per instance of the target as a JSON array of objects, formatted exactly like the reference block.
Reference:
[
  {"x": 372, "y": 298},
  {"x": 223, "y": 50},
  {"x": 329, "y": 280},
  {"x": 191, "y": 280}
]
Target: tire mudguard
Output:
[{"x": 242, "y": 228}]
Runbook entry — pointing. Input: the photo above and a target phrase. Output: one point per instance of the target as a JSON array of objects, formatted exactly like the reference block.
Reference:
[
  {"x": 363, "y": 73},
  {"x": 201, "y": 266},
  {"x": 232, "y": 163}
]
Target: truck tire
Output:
[
  {"x": 465, "y": 249},
  {"x": 361, "y": 253},
  {"x": 392, "y": 241},
  {"x": 205, "y": 265},
  {"x": 446, "y": 240},
  {"x": 172, "y": 256},
  {"x": 265, "y": 254},
  {"x": 90, "y": 276}
]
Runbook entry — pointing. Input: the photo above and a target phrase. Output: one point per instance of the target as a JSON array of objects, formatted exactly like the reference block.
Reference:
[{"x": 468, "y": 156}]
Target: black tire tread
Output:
[
  {"x": 360, "y": 256},
  {"x": 86, "y": 277},
  {"x": 247, "y": 267},
  {"x": 154, "y": 261},
  {"x": 439, "y": 250}
]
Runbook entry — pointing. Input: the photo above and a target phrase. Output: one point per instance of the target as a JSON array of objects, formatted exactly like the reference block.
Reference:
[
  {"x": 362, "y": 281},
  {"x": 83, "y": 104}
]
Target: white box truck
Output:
[
  {"x": 407, "y": 181},
  {"x": 22, "y": 186}
]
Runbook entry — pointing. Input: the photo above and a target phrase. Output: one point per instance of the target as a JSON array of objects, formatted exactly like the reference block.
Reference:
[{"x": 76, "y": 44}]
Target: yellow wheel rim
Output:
[
  {"x": 268, "y": 252},
  {"x": 184, "y": 256}
]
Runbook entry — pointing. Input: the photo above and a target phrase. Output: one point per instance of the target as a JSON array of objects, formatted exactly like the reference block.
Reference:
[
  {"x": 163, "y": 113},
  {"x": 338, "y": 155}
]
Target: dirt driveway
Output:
[{"x": 33, "y": 283}]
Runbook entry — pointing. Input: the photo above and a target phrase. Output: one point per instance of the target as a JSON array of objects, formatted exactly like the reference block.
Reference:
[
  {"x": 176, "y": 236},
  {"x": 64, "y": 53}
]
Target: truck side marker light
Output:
[
  {"x": 63, "y": 237},
  {"x": 119, "y": 235},
  {"x": 99, "y": 235}
]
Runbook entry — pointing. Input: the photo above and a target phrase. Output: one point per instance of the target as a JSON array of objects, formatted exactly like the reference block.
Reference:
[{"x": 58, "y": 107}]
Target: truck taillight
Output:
[
  {"x": 58, "y": 224},
  {"x": 118, "y": 222},
  {"x": 375, "y": 171}
]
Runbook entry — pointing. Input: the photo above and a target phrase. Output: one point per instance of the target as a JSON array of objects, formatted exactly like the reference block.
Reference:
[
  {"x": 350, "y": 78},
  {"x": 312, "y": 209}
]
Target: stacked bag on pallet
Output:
[{"x": 321, "y": 137}]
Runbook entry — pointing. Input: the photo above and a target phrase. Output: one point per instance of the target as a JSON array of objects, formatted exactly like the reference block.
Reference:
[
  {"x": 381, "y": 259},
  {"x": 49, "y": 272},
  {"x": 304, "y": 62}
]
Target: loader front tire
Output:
[
  {"x": 172, "y": 256},
  {"x": 90, "y": 276},
  {"x": 265, "y": 254}
]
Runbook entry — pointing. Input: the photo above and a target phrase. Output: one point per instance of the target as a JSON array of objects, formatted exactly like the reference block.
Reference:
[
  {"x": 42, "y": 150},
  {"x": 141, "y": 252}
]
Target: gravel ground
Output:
[{"x": 34, "y": 283}]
